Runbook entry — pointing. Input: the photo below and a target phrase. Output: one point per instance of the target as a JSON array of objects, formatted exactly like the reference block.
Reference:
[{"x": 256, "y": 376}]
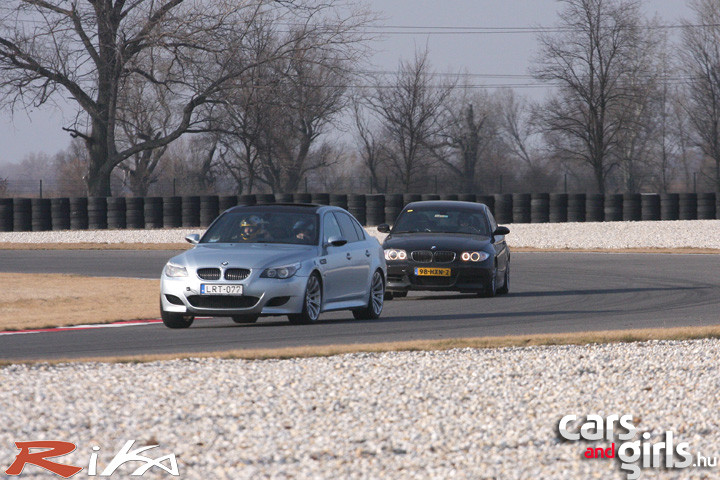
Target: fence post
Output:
[{"x": 40, "y": 188}]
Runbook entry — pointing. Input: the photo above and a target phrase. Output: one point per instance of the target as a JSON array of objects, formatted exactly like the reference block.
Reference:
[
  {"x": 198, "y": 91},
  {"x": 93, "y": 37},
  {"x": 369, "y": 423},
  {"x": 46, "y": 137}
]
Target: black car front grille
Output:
[
  {"x": 432, "y": 281},
  {"x": 236, "y": 273},
  {"x": 222, "y": 301},
  {"x": 209, "y": 273},
  {"x": 444, "y": 257},
  {"x": 422, "y": 256}
]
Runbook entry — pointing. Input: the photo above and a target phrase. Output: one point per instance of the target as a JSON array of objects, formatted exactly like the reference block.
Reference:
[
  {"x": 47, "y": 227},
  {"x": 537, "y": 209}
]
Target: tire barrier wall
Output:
[{"x": 80, "y": 213}]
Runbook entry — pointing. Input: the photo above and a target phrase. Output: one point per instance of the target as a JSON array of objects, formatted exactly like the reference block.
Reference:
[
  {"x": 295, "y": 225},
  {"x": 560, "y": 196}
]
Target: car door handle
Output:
[
  {"x": 367, "y": 253},
  {"x": 349, "y": 257}
]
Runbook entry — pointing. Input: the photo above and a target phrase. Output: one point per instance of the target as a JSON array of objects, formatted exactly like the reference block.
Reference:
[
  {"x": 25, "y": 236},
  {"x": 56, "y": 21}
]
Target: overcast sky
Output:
[{"x": 450, "y": 28}]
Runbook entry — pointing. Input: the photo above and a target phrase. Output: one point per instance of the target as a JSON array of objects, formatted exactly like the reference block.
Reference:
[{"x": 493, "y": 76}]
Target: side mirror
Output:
[
  {"x": 336, "y": 242},
  {"x": 501, "y": 231},
  {"x": 193, "y": 238},
  {"x": 383, "y": 228}
]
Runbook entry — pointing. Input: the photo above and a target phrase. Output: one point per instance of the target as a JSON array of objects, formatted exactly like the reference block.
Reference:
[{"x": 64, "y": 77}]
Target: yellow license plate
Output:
[{"x": 432, "y": 272}]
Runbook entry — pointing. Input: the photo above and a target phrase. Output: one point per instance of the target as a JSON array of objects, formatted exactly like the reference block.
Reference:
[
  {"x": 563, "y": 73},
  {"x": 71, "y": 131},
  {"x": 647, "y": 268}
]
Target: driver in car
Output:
[
  {"x": 251, "y": 230},
  {"x": 304, "y": 231}
]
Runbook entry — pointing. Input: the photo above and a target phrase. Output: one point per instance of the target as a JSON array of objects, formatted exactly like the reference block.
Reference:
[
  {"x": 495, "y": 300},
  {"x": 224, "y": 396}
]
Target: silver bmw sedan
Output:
[{"x": 278, "y": 259}]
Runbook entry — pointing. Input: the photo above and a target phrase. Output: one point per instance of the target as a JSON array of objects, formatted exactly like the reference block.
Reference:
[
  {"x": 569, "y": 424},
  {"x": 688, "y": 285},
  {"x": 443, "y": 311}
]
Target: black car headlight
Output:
[
  {"x": 286, "y": 271},
  {"x": 474, "y": 256},
  {"x": 393, "y": 254}
]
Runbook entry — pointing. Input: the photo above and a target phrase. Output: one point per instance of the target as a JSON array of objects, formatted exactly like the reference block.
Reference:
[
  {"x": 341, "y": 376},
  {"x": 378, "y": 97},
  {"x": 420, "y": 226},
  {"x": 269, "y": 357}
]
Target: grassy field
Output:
[{"x": 53, "y": 300}]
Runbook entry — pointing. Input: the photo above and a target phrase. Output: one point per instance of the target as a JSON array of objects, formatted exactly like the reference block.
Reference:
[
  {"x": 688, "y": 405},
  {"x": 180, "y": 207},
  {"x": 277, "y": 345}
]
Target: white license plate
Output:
[{"x": 221, "y": 289}]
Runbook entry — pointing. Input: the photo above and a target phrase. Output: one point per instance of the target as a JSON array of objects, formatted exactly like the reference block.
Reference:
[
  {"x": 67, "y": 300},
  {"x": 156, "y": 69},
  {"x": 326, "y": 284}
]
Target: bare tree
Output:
[
  {"x": 192, "y": 48},
  {"x": 368, "y": 145},
  {"x": 410, "y": 114},
  {"x": 592, "y": 61},
  {"x": 470, "y": 128},
  {"x": 144, "y": 115},
  {"x": 701, "y": 59}
]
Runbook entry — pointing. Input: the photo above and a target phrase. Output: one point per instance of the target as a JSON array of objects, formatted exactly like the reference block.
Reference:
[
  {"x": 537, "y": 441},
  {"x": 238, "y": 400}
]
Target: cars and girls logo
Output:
[
  {"x": 37, "y": 453},
  {"x": 633, "y": 454}
]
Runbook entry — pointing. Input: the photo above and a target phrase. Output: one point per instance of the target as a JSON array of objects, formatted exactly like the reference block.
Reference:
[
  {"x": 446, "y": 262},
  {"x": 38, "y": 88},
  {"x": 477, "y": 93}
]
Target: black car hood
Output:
[{"x": 442, "y": 241}]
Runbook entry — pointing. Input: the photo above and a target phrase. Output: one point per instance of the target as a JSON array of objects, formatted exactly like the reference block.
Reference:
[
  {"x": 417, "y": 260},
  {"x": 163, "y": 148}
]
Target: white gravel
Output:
[
  {"x": 469, "y": 413},
  {"x": 601, "y": 235}
]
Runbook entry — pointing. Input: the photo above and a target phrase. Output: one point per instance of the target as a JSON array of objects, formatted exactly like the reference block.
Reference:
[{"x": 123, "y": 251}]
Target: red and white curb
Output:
[{"x": 131, "y": 323}]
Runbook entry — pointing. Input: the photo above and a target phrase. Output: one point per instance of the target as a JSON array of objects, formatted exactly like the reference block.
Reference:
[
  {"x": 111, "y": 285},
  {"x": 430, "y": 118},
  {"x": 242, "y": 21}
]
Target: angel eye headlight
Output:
[
  {"x": 392, "y": 254},
  {"x": 474, "y": 256}
]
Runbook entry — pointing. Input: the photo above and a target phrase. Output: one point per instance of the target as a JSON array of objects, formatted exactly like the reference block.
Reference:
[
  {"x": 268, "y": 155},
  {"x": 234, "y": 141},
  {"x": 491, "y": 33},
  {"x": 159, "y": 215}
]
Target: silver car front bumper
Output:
[{"x": 261, "y": 296}]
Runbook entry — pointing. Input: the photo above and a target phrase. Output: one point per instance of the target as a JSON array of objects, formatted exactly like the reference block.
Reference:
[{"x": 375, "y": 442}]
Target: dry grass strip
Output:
[
  {"x": 583, "y": 338},
  {"x": 54, "y": 300},
  {"x": 94, "y": 246}
]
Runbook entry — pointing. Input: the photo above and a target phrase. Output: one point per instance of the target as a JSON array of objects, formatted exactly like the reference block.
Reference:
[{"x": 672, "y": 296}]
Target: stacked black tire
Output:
[
  {"x": 153, "y": 211},
  {"x": 393, "y": 206},
  {"x": 576, "y": 207},
  {"x": 504, "y": 208},
  {"x": 594, "y": 207},
  {"x": 687, "y": 206},
  {"x": 135, "y": 212},
  {"x": 356, "y": 206},
  {"x": 650, "y": 206},
  {"x": 521, "y": 207},
  {"x": 706, "y": 206},
  {"x": 669, "y": 206},
  {"x": 613, "y": 207},
  {"x": 41, "y": 219},
  {"x": 540, "y": 208},
  {"x": 190, "y": 208},
  {"x": 97, "y": 213},
  {"x": 339, "y": 200},
  {"x": 320, "y": 198},
  {"x": 171, "y": 212},
  {"x": 79, "y": 213},
  {"x": 632, "y": 207},
  {"x": 209, "y": 209},
  {"x": 6, "y": 214},
  {"x": 375, "y": 208},
  {"x": 116, "y": 212},
  {"x": 22, "y": 216}
]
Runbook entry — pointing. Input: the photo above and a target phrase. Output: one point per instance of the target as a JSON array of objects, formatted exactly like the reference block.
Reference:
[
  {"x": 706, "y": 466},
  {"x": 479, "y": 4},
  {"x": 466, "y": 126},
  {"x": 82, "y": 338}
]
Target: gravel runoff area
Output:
[
  {"x": 465, "y": 413},
  {"x": 468, "y": 413},
  {"x": 588, "y": 235}
]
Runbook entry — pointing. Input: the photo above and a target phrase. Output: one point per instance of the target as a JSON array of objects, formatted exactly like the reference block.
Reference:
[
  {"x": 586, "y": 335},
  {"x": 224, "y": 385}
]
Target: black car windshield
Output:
[
  {"x": 263, "y": 226},
  {"x": 442, "y": 220}
]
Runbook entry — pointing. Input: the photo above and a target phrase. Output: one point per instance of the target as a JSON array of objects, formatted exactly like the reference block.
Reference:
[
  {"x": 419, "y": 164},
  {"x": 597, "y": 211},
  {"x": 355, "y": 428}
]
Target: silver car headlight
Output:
[
  {"x": 393, "y": 254},
  {"x": 286, "y": 271},
  {"x": 174, "y": 270}
]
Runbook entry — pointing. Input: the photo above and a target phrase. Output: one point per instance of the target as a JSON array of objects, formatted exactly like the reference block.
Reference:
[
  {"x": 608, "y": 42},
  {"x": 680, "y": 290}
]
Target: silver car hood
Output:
[{"x": 245, "y": 255}]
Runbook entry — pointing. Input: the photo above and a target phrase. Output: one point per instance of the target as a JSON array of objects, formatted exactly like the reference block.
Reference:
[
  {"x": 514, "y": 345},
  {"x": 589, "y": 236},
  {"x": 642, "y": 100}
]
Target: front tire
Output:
[
  {"x": 506, "y": 285},
  {"x": 312, "y": 305},
  {"x": 491, "y": 289},
  {"x": 376, "y": 299},
  {"x": 176, "y": 320}
]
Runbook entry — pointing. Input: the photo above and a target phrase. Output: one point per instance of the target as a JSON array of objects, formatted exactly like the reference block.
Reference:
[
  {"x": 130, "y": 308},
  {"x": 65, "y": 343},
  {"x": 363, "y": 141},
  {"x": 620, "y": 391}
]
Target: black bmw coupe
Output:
[{"x": 446, "y": 245}]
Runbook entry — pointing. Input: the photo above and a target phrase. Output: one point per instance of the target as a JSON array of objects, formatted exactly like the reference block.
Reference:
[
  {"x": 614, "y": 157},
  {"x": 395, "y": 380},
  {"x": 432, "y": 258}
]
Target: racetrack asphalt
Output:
[{"x": 551, "y": 292}]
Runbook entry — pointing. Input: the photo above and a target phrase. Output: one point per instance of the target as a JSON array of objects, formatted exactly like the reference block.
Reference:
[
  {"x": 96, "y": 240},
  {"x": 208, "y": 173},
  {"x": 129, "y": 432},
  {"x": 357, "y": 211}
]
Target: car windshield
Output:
[
  {"x": 442, "y": 220},
  {"x": 263, "y": 226}
]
